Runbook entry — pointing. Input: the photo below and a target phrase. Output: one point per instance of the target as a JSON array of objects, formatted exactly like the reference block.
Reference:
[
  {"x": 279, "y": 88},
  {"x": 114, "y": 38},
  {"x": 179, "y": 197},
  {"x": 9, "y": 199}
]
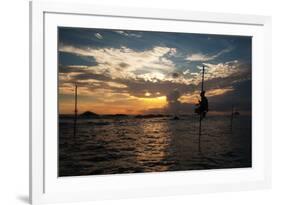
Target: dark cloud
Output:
[
  {"x": 175, "y": 75},
  {"x": 139, "y": 87},
  {"x": 67, "y": 59},
  {"x": 240, "y": 97},
  {"x": 71, "y": 69},
  {"x": 91, "y": 76},
  {"x": 173, "y": 101},
  {"x": 123, "y": 65}
]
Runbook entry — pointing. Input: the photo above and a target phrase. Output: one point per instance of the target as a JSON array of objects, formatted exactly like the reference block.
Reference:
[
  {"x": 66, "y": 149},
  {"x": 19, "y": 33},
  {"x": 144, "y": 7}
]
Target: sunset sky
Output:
[{"x": 140, "y": 72}]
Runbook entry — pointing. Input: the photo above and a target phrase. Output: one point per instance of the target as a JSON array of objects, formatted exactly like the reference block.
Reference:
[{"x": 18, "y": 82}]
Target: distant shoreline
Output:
[
  {"x": 115, "y": 116},
  {"x": 146, "y": 116}
]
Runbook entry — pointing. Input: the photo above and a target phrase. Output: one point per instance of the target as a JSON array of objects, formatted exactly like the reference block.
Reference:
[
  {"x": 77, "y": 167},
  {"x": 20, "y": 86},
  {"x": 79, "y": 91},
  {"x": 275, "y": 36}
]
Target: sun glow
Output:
[
  {"x": 151, "y": 103},
  {"x": 160, "y": 101},
  {"x": 131, "y": 105},
  {"x": 147, "y": 94}
]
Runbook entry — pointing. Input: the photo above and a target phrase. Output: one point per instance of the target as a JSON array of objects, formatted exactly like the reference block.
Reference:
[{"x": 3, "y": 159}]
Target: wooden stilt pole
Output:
[
  {"x": 199, "y": 138},
  {"x": 231, "y": 119},
  {"x": 200, "y": 118},
  {"x": 75, "y": 111},
  {"x": 203, "y": 75}
]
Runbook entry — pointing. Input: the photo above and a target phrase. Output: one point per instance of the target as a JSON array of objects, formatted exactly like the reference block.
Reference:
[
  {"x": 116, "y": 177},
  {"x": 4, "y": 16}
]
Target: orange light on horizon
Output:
[{"x": 134, "y": 105}]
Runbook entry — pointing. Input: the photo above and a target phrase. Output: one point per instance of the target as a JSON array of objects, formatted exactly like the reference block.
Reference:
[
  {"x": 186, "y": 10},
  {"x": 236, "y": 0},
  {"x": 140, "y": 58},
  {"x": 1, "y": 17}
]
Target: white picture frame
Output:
[{"x": 46, "y": 187}]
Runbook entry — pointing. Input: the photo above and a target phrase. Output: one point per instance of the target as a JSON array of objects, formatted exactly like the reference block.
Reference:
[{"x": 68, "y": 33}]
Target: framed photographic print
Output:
[{"x": 129, "y": 102}]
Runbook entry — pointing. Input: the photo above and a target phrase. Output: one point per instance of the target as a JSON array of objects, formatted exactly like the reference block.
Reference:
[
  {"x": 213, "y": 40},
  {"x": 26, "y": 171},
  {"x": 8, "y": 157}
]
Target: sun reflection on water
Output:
[{"x": 151, "y": 149}]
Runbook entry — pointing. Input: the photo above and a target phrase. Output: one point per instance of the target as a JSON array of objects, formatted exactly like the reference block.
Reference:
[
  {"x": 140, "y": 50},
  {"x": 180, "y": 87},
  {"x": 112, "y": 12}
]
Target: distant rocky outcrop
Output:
[
  {"x": 89, "y": 114},
  {"x": 118, "y": 115}
]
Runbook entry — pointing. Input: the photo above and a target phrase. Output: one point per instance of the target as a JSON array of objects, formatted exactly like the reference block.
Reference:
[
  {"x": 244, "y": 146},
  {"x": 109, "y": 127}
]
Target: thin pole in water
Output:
[
  {"x": 200, "y": 118},
  {"x": 203, "y": 75},
  {"x": 75, "y": 111},
  {"x": 231, "y": 119},
  {"x": 199, "y": 139}
]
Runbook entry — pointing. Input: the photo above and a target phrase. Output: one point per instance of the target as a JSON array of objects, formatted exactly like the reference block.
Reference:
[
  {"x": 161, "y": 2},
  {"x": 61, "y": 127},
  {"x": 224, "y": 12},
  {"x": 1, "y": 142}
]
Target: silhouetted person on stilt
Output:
[{"x": 203, "y": 106}]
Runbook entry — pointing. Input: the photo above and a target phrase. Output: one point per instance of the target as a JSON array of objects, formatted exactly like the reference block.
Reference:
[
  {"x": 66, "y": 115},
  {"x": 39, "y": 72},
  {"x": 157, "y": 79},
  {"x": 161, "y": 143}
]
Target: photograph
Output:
[{"x": 134, "y": 101}]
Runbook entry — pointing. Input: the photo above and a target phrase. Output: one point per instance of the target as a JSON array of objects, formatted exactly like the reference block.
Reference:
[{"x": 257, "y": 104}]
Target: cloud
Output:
[
  {"x": 219, "y": 91},
  {"x": 126, "y": 63},
  {"x": 193, "y": 97},
  {"x": 185, "y": 102},
  {"x": 123, "y": 75},
  {"x": 172, "y": 52},
  {"x": 218, "y": 79},
  {"x": 119, "y": 70},
  {"x": 98, "y": 36},
  {"x": 72, "y": 68},
  {"x": 129, "y": 34},
  {"x": 116, "y": 85},
  {"x": 173, "y": 101},
  {"x": 175, "y": 75},
  {"x": 148, "y": 66},
  {"x": 186, "y": 71},
  {"x": 223, "y": 70},
  {"x": 240, "y": 96},
  {"x": 203, "y": 57}
]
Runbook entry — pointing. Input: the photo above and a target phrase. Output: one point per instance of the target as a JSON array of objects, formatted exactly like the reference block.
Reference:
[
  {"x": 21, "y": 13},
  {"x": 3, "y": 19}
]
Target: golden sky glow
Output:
[
  {"x": 131, "y": 104},
  {"x": 111, "y": 105},
  {"x": 139, "y": 72}
]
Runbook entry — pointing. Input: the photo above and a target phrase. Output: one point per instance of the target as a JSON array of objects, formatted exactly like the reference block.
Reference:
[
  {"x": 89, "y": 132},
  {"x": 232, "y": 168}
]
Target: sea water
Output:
[{"x": 132, "y": 145}]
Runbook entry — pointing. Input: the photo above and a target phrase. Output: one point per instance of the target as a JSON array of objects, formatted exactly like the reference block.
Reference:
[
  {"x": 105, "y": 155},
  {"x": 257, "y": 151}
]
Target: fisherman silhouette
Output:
[{"x": 203, "y": 106}]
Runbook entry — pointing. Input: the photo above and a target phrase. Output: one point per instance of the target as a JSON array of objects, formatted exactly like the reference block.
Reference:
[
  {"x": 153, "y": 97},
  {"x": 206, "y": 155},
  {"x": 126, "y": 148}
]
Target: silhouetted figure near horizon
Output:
[{"x": 203, "y": 105}]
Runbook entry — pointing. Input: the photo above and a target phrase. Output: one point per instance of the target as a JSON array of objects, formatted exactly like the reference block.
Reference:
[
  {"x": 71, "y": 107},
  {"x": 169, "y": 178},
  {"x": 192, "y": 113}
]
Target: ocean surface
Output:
[{"x": 129, "y": 145}]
